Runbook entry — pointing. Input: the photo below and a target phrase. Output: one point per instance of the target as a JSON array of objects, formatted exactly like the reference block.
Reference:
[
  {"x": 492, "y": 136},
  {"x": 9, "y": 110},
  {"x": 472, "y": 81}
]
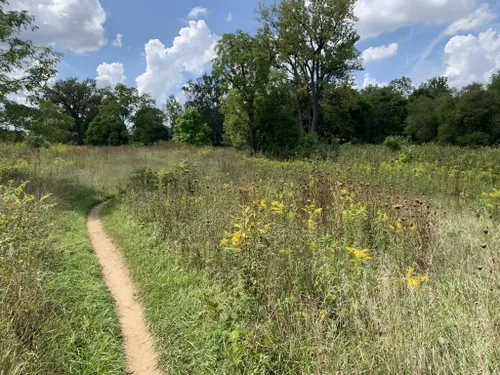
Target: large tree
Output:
[
  {"x": 190, "y": 128},
  {"x": 205, "y": 95},
  {"x": 244, "y": 62},
  {"x": 24, "y": 67},
  {"x": 149, "y": 125},
  {"x": 45, "y": 120},
  {"x": 107, "y": 128},
  {"x": 80, "y": 100},
  {"x": 128, "y": 99},
  {"x": 315, "y": 41}
]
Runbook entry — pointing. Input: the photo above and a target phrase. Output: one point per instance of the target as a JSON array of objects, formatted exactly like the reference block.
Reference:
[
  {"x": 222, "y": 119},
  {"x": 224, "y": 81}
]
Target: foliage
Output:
[
  {"x": 36, "y": 141},
  {"x": 190, "y": 128},
  {"x": 297, "y": 267},
  {"x": 36, "y": 64},
  {"x": 205, "y": 95},
  {"x": 107, "y": 129},
  {"x": 46, "y": 120},
  {"x": 395, "y": 143},
  {"x": 79, "y": 100},
  {"x": 148, "y": 126},
  {"x": 315, "y": 41},
  {"x": 244, "y": 63},
  {"x": 173, "y": 110}
]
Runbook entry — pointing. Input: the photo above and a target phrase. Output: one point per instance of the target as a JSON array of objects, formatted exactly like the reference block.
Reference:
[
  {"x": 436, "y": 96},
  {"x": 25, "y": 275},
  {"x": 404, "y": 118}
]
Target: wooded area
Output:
[{"x": 280, "y": 92}]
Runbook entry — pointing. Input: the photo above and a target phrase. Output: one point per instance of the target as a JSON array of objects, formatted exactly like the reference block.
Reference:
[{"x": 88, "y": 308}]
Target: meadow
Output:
[{"x": 370, "y": 261}]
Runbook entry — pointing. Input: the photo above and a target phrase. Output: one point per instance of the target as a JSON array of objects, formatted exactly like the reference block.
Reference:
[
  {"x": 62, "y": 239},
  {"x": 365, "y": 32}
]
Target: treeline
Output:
[{"x": 280, "y": 92}]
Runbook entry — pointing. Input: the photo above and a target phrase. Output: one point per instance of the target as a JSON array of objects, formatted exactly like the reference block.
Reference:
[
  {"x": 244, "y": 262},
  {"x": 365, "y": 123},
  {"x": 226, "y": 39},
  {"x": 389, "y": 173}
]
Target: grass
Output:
[
  {"x": 367, "y": 264},
  {"x": 376, "y": 262}
]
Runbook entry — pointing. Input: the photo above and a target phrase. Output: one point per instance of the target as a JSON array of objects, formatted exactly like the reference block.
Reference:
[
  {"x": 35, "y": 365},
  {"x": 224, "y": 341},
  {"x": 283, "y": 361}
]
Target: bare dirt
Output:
[{"x": 142, "y": 358}]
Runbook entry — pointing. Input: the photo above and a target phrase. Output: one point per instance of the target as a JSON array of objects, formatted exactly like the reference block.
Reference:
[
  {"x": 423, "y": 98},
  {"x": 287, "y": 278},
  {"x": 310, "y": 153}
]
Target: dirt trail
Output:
[{"x": 142, "y": 358}]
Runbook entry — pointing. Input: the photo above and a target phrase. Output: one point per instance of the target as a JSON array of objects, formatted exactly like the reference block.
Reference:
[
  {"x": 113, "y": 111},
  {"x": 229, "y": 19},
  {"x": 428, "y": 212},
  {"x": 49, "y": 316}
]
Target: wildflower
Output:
[
  {"x": 313, "y": 245},
  {"x": 360, "y": 254},
  {"x": 284, "y": 251},
  {"x": 224, "y": 242},
  {"x": 237, "y": 238},
  {"x": 415, "y": 281},
  {"x": 278, "y": 208},
  {"x": 260, "y": 203}
]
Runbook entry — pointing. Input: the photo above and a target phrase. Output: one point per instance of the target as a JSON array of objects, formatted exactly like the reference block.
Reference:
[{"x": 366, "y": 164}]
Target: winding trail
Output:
[{"x": 142, "y": 358}]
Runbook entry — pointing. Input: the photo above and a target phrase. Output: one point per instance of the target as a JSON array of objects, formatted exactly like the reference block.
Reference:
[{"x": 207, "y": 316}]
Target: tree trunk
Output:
[
  {"x": 299, "y": 114},
  {"x": 253, "y": 135},
  {"x": 315, "y": 110}
]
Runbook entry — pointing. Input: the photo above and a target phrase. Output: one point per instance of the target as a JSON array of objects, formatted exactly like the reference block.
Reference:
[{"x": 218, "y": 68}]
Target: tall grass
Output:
[
  {"x": 376, "y": 263},
  {"x": 56, "y": 316}
]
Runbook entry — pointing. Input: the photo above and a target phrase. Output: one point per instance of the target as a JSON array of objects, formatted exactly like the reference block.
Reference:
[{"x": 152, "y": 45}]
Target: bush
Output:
[
  {"x": 36, "y": 141},
  {"x": 396, "y": 143}
]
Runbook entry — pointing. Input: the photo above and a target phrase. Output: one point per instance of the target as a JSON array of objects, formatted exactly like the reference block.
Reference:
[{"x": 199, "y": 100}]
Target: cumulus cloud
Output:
[
  {"x": 380, "y": 53},
  {"x": 190, "y": 52},
  {"x": 77, "y": 25},
  {"x": 109, "y": 75},
  {"x": 379, "y": 16},
  {"x": 198, "y": 12},
  {"x": 118, "y": 41},
  {"x": 472, "y": 58},
  {"x": 481, "y": 17},
  {"x": 229, "y": 17},
  {"x": 371, "y": 81}
]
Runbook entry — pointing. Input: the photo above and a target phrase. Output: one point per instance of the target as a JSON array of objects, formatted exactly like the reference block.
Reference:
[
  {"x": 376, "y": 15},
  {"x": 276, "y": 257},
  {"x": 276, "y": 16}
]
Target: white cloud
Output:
[
  {"x": 371, "y": 81},
  {"x": 198, "y": 12},
  {"x": 380, "y": 53},
  {"x": 229, "y": 17},
  {"x": 118, "y": 42},
  {"x": 379, "y": 16},
  {"x": 109, "y": 75},
  {"x": 77, "y": 25},
  {"x": 191, "y": 51},
  {"x": 472, "y": 58},
  {"x": 482, "y": 16}
]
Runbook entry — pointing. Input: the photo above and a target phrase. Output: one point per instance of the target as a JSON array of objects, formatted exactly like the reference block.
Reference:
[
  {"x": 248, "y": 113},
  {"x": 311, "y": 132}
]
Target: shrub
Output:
[
  {"x": 396, "y": 143},
  {"x": 36, "y": 141}
]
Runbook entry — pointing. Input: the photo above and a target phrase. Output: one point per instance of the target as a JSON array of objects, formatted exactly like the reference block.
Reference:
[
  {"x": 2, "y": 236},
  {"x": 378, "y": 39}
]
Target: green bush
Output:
[
  {"x": 396, "y": 143},
  {"x": 36, "y": 141}
]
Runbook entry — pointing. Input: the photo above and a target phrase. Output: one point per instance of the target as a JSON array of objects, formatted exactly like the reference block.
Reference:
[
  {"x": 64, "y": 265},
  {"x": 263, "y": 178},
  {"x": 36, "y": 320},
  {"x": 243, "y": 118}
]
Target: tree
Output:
[
  {"x": 148, "y": 125},
  {"x": 46, "y": 120},
  {"x": 340, "y": 104},
  {"x": 129, "y": 100},
  {"x": 23, "y": 66},
  {"x": 79, "y": 100},
  {"x": 173, "y": 109},
  {"x": 190, "y": 128},
  {"x": 382, "y": 113},
  {"x": 403, "y": 86},
  {"x": 422, "y": 122},
  {"x": 315, "y": 42},
  {"x": 243, "y": 62},
  {"x": 107, "y": 128},
  {"x": 205, "y": 95}
]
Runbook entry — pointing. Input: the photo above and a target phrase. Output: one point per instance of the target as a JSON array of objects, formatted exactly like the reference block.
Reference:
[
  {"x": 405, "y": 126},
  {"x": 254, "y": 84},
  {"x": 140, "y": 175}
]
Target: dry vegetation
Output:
[{"x": 375, "y": 262}]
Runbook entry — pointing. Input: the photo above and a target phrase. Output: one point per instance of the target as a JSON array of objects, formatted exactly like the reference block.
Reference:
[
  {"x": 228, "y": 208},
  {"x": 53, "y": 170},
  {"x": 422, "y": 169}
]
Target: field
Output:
[{"x": 369, "y": 262}]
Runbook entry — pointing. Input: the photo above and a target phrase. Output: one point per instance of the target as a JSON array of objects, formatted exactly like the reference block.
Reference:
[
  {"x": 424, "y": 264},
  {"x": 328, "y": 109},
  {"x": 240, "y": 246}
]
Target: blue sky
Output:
[{"x": 165, "y": 42}]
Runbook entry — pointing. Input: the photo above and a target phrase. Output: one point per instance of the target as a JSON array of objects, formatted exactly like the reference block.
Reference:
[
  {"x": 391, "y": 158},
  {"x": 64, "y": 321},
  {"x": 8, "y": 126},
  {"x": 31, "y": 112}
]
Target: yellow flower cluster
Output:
[
  {"x": 359, "y": 254},
  {"x": 278, "y": 208},
  {"x": 414, "y": 281},
  {"x": 313, "y": 215}
]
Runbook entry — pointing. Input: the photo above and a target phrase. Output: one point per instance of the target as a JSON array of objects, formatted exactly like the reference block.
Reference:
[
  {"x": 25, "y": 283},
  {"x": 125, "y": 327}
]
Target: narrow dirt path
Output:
[{"x": 142, "y": 358}]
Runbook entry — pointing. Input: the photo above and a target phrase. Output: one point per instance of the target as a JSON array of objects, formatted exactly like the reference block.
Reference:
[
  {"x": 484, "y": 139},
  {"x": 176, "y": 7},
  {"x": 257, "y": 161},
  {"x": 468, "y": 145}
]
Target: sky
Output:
[{"x": 157, "y": 45}]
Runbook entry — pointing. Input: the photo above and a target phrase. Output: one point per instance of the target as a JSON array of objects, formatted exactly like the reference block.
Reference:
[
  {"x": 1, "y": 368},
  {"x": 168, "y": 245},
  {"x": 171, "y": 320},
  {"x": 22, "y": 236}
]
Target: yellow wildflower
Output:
[
  {"x": 284, "y": 251},
  {"x": 415, "y": 281},
  {"x": 237, "y": 238},
  {"x": 224, "y": 242},
  {"x": 360, "y": 254},
  {"x": 278, "y": 208}
]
